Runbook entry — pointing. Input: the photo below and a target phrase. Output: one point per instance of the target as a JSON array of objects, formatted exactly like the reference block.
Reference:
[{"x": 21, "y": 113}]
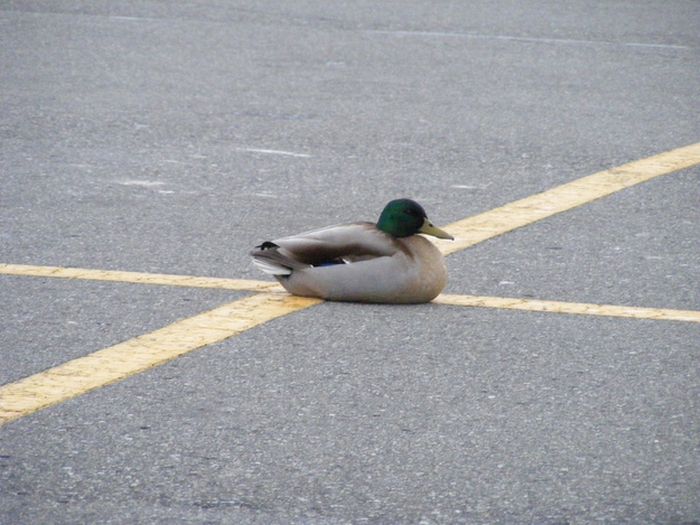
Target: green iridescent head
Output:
[{"x": 405, "y": 217}]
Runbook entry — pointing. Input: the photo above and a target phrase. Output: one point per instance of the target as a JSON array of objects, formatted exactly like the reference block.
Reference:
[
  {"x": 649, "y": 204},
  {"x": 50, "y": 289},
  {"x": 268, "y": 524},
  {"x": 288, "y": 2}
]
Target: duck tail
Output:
[
  {"x": 270, "y": 267},
  {"x": 269, "y": 259}
]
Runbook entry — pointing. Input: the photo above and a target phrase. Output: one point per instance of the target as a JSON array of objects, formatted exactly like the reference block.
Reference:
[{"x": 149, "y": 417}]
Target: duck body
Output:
[{"x": 359, "y": 262}]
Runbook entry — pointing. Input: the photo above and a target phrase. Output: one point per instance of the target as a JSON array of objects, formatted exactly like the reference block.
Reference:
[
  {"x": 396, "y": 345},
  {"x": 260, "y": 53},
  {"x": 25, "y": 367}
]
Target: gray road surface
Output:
[{"x": 171, "y": 137}]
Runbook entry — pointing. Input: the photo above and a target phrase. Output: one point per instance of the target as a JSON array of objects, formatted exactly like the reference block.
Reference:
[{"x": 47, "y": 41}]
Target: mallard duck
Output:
[{"x": 386, "y": 262}]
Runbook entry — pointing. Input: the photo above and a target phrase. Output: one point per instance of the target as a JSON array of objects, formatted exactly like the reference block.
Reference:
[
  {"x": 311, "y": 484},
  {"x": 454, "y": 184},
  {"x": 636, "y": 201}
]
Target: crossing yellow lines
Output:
[
  {"x": 534, "y": 305},
  {"x": 117, "y": 362},
  {"x": 476, "y": 229},
  {"x": 120, "y": 361},
  {"x": 506, "y": 303}
]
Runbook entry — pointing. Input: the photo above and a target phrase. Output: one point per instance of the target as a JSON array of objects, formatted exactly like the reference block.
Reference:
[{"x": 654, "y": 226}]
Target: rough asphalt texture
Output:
[{"x": 129, "y": 140}]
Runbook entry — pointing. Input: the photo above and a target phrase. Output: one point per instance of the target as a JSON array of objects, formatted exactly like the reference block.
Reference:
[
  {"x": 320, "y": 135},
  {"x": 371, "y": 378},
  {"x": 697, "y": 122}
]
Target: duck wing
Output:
[
  {"x": 331, "y": 245},
  {"x": 344, "y": 242}
]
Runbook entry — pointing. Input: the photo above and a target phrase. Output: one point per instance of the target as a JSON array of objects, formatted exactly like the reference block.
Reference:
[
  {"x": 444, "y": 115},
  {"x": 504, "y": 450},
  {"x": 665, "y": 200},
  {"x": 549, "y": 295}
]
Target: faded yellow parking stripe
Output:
[
  {"x": 536, "y": 305},
  {"x": 125, "y": 359},
  {"x": 139, "y": 278},
  {"x": 478, "y": 228},
  {"x": 120, "y": 361},
  {"x": 664, "y": 314}
]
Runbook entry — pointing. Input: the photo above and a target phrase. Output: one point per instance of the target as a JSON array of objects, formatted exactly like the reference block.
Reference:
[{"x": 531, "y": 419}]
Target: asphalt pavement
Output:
[{"x": 171, "y": 137}]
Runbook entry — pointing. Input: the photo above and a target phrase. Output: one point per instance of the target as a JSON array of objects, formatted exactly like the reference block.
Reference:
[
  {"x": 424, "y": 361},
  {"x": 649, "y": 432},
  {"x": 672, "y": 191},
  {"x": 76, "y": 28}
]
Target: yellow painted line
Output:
[
  {"x": 535, "y": 305},
  {"x": 478, "y": 228},
  {"x": 139, "y": 278},
  {"x": 450, "y": 299},
  {"x": 120, "y": 361}
]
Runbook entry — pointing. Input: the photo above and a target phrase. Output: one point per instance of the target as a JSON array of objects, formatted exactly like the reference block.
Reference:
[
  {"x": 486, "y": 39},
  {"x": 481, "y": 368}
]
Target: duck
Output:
[{"x": 384, "y": 262}]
